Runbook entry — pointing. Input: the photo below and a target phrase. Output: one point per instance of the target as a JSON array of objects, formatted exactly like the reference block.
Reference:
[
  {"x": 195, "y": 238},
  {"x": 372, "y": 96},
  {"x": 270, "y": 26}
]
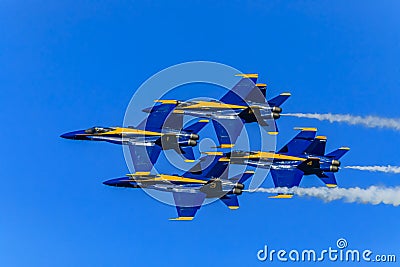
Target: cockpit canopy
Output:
[{"x": 98, "y": 129}]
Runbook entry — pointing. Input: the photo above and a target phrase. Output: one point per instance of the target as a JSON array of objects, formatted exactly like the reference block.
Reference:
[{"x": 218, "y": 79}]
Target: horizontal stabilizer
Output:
[
  {"x": 337, "y": 154},
  {"x": 231, "y": 201},
  {"x": 328, "y": 178},
  {"x": 279, "y": 100},
  {"x": 187, "y": 152}
]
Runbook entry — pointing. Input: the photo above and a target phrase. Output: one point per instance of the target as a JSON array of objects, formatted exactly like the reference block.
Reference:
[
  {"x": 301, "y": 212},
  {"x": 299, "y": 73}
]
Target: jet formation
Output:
[{"x": 245, "y": 103}]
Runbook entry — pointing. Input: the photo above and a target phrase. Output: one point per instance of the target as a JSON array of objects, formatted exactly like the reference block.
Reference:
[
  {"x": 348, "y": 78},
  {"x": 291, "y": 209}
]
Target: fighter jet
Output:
[
  {"x": 303, "y": 155},
  {"x": 244, "y": 103},
  {"x": 207, "y": 179},
  {"x": 161, "y": 130}
]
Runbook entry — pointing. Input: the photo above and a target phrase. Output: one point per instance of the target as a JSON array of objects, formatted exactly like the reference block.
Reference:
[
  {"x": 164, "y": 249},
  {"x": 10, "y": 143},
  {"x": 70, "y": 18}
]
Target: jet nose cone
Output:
[
  {"x": 76, "y": 135},
  {"x": 147, "y": 110},
  {"x": 109, "y": 182},
  {"x": 68, "y": 135}
]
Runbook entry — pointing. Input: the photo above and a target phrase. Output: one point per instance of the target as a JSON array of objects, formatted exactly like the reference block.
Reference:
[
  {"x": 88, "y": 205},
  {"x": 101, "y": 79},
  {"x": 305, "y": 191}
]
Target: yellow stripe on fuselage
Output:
[
  {"x": 145, "y": 177},
  {"x": 211, "y": 105},
  {"x": 128, "y": 131},
  {"x": 269, "y": 155},
  {"x": 173, "y": 178}
]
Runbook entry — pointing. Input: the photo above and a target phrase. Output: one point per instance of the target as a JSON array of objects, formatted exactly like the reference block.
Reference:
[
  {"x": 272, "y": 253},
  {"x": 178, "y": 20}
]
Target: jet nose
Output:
[
  {"x": 109, "y": 182},
  {"x": 70, "y": 135},
  {"x": 78, "y": 135},
  {"x": 147, "y": 110}
]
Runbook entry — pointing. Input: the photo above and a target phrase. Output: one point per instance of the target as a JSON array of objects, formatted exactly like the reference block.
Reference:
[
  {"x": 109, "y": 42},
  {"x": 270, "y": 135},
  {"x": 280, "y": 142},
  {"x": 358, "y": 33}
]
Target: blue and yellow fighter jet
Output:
[
  {"x": 161, "y": 130},
  {"x": 303, "y": 155},
  {"x": 244, "y": 103},
  {"x": 207, "y": 179}
]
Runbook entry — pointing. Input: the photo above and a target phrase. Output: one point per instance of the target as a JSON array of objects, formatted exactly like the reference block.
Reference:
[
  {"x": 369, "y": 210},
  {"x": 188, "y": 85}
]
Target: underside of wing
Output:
[
  {"x": 227, "y": 131},
  {"x": 187, "y": 204},
  {"x": 144, "y": 157},
  {"x": 286, "y": 178}
]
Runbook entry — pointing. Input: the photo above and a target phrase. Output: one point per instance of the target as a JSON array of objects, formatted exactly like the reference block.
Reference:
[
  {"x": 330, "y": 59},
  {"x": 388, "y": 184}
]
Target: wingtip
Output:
[
  {"x": 283, "y": 196},
  {"x": 181, "y": 219},
  {"x": 213, "y": 153},
  {"x": 311, "y": 129},
  {"x": 251, "y": 75},
  {"x": 331, "y": 185}
]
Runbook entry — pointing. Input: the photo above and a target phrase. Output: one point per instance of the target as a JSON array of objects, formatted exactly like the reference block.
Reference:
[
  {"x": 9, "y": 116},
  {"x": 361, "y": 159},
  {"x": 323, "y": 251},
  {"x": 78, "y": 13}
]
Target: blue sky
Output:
[{"x": 67, "y": 65}]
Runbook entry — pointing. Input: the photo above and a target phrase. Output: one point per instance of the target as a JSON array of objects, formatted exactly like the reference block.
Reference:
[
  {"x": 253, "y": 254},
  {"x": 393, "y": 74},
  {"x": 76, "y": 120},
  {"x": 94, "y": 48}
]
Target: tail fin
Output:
[
  {"x": 300, "y": 142},
  {"x": 338, "y": 153},
  {"x": 241, "y": 178},
  {"x": 317, "y": 147},
  {"x": 196, "y": 127},
  {"x": 279, "y": 100},
  {"x": 240, "y": 91},
  {"x": 257, "y": 95},
  {"x": 328, "y": 178}
]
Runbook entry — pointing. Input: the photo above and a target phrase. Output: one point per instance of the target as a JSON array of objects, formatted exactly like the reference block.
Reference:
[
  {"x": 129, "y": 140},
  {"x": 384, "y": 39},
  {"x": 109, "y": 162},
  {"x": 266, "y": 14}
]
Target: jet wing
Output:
[
  {"x": 300, "y": 142},
  {"x": 144, "y": 157},
  {"x": 228, "y": 131},
  {"x": 286, "y": 178},
  {"x": 187, "y": 204}
]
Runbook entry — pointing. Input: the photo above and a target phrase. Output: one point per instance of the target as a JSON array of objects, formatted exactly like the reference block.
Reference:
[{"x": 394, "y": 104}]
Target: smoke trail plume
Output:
[
  {"x": 368, "y": 121},
  {"x": 371, "y": 195},
  {"x": 385, "y": 169}
]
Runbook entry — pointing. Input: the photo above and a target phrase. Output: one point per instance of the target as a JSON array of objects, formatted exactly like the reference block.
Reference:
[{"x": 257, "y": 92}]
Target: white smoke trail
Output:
[
  {"x": 385, "y": 169},
  {"x": 367, "y": 121},
  {"x": 371, "y": 195}
]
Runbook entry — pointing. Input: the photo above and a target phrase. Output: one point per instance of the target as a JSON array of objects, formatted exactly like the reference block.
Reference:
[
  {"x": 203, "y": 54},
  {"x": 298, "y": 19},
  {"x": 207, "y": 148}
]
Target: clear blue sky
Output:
[{"x": 66, "y": 65}]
